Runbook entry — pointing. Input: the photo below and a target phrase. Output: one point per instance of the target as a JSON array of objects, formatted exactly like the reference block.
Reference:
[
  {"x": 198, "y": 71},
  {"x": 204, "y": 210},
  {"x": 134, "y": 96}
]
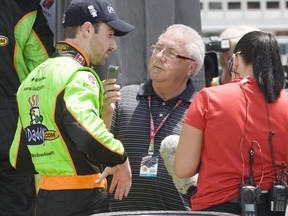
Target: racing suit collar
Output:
[{"x": 64, "y": 48}]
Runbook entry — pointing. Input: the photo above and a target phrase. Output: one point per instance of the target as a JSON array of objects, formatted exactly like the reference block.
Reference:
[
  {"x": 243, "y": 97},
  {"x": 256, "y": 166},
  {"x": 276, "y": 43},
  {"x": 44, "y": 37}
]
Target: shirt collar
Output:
[{"x": 146, "y": 89}]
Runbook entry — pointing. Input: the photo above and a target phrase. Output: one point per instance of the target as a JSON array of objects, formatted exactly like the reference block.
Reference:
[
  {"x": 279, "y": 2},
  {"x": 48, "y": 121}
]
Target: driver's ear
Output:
[{"x": 86, "y": 29}]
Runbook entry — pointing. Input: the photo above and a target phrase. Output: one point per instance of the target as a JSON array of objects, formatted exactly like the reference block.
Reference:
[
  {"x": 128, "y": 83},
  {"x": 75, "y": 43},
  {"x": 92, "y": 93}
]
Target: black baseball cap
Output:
[{"x": 94, "y": 11}]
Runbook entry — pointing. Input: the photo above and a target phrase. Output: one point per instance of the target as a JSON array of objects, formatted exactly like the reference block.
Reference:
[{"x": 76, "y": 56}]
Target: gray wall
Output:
[{"x": 150, "y": 17}]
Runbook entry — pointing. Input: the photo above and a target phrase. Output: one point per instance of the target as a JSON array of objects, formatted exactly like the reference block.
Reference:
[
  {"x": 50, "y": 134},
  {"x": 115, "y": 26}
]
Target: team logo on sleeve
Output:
[{"x": 37, "y": 133}]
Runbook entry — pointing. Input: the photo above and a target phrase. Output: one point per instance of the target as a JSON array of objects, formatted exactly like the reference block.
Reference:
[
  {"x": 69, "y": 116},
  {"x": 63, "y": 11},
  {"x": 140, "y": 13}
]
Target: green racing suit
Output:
[
  {"x": 61, "y": 136},
  {"x": 25, "y": 41},
  {"x": 60, "y": 131}
]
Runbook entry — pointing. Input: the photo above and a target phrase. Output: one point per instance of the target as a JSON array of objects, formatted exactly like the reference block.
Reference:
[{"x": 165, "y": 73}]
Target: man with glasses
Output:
[{"x": 150, "y": 112}]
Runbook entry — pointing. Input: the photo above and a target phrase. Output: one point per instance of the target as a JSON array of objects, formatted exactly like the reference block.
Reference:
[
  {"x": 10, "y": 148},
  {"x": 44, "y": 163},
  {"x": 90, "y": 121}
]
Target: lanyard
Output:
[{"x": 152, "y": 128}]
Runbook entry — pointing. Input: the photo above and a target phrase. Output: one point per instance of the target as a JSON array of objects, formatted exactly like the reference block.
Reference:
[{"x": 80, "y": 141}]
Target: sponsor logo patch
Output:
[
  {"x": 4, "y": 41},
  {"x": 61, "y": 47},
  {"x": 37, "y": 133}
]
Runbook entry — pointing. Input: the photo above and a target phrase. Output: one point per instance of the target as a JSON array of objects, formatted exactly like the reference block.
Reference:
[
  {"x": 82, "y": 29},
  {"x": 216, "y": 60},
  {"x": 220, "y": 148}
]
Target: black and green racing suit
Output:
[{"x": 25, "y": 41}]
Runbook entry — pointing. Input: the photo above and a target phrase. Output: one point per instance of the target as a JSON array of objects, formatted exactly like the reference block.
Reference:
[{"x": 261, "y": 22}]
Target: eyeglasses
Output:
[
  {"x": 230, "y": 63},
  {"x": 168, "y": 53}
]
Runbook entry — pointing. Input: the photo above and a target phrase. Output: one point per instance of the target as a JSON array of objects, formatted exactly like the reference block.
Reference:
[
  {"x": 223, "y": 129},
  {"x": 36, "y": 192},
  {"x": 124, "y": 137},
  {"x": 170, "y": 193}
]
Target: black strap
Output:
[
  {"x": 271, "y": 134},
  {"x": 251, "y": 161}
]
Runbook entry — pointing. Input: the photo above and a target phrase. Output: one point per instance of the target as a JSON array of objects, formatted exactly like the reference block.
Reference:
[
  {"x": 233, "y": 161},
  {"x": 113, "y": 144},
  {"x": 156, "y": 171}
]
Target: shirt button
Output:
[
  {"x": 163, "y": 103},
  {"x": 161, "y": 114}
]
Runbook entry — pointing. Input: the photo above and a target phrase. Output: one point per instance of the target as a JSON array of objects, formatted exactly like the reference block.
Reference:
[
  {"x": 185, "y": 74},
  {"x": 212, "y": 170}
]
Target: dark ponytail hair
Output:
[{"x": 261, "y": 49}]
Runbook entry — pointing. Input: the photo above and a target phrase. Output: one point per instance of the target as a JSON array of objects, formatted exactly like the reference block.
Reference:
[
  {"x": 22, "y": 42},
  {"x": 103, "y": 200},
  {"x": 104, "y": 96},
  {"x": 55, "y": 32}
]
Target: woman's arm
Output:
[{"x": 188, "y": 152}]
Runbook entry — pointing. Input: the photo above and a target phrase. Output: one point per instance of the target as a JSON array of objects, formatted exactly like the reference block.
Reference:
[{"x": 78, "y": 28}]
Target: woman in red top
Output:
[{"x": 229, "y": 126}]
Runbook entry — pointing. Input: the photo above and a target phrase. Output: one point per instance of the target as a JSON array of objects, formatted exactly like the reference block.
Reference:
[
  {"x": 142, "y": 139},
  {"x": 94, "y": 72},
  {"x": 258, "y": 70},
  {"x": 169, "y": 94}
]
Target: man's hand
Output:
[
  {"x": 122, "y": 179},
  {"x": 110, "y": 97}
]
